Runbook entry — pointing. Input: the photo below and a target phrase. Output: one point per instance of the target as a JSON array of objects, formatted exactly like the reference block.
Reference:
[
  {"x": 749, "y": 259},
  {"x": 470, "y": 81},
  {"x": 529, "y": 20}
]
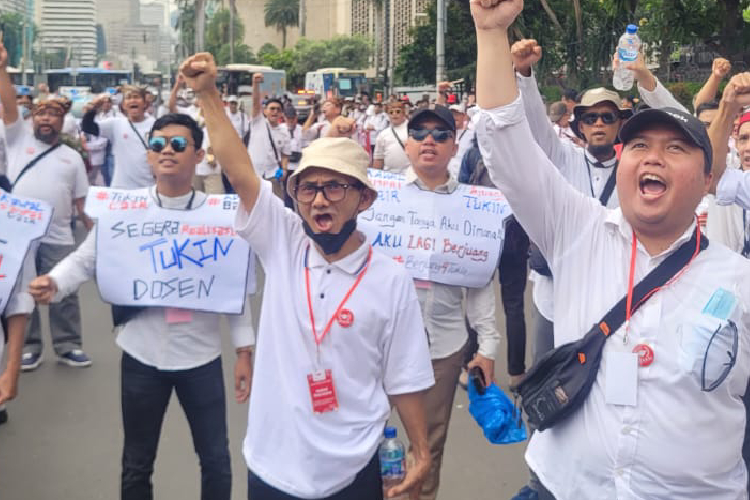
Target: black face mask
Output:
[{"x": 331, "y": 243}]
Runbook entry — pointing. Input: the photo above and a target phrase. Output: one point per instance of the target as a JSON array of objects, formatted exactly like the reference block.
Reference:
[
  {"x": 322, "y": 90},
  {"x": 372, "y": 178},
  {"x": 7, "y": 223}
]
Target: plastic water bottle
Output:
[
  {"x": 392, "y": 461},
  {"x": 627, "y": 51}
]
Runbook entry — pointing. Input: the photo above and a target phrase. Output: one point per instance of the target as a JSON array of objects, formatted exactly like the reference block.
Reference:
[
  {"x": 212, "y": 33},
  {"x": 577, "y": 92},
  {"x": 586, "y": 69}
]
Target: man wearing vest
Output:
[
  {"x": 127, "y": 135},
  {"x": 41, "y": 167},
  {"x": 430, "y": 147},
  {"x": 166, "y": 348},
  {"x": 672, "y": 375},
  {"x": 341, "y": 337}
]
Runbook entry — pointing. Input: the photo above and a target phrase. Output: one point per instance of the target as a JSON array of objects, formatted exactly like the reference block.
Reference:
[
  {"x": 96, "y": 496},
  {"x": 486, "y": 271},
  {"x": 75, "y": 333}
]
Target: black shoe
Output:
[{"x": 3, "y": 416}]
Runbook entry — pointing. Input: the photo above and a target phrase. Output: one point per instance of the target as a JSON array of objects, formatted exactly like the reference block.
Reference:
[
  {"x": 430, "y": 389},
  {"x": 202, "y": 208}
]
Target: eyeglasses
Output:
[
  {"x": 54, "y": 113},
  {"x": 607, "y": 118},
  {"x": 332, "y": 191},
  {"x": 177, "y": 143},
  {"x": 439, "y": 135}
]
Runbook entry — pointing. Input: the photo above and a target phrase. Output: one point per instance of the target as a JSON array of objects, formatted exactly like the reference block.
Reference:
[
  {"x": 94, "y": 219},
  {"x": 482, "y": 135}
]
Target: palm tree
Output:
[
  {"x": 200, "y": 25},
  {"x": 302, "y": 18},
  {"x": 282, "y": 14}
]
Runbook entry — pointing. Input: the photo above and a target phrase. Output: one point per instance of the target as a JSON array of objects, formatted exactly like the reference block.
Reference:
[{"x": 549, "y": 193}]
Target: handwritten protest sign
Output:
[
  {"x": 22, "y": 220},
  {"x": 454, "y": 239},
  {"x": 153, "y": 256}
]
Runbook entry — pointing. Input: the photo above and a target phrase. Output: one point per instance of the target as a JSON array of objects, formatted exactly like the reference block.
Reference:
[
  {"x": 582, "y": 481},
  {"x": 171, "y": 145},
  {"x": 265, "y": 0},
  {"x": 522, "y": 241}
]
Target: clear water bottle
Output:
[
  {"x": 627, "y": 51},
  {"x": 392, "y": 461}
]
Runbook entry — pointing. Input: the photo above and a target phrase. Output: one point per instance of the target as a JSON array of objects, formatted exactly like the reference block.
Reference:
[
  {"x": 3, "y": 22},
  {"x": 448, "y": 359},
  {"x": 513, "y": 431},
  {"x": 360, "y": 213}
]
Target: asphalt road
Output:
[{"x": 63, "y": 439}]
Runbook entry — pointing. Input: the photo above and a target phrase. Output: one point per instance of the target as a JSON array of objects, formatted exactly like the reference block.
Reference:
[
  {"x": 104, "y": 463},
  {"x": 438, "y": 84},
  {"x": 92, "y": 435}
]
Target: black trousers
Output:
[
  {"x": 513, "y": 275},
  {"x": 367, "y": 485},
  {"x": 145, "y": 394}
]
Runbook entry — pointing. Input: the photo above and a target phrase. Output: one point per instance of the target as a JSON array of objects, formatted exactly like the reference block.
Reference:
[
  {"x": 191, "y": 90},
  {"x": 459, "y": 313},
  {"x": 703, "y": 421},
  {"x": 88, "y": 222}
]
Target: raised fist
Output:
[
  {"x": 257, "y": 78},
  {"x": 525, "y": 54},
  {"x": 495, "y": 14},
  {"x": 43, "y": 289},
  {"x": 443, "y": 87},
  {"x": 737, "y": 91},
  {"x": 721, "y": 67},
  {"x": 199, "y": 72}
]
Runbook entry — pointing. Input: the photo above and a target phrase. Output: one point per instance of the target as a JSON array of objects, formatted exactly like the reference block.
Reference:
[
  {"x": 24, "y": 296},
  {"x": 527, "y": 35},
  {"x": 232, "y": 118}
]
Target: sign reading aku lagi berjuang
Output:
[
  {"x": 454, "y": 239},
  {"x": 22, "y": 220},
  {"x": 147, "y": 255}
]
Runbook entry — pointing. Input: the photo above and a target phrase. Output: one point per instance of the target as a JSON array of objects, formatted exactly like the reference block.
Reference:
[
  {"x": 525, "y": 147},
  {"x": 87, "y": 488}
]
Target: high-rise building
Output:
[
  {"x": 153, "y": 13},
  {"x": 17, "y": 6},
  {"x": 69, "y": 25},
  {"x": 117, "y": 12}
]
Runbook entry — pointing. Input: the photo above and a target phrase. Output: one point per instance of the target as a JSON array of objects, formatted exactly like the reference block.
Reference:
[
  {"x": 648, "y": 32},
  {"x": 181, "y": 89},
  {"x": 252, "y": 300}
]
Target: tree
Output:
[
  {"x": 218, "y": 39},
  {"x": 281, "y": 14},
  {"x": 13, "y": 36},
  {"x": 378, "y": 5}
]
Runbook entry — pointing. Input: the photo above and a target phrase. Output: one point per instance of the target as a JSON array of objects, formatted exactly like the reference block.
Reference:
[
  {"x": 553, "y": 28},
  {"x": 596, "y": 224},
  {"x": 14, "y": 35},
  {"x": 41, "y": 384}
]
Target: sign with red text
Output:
[
  {"x": 451, "y": 238},
  {"x": 22, "y": 220},
  {"x": 147, "y": 255}
]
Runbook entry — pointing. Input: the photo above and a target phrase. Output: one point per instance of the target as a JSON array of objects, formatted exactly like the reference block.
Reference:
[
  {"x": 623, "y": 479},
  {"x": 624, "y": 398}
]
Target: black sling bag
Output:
[{"x": 560, "y": 382}]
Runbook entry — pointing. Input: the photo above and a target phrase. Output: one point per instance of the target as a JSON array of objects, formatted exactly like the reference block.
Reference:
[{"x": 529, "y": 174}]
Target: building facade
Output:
[{"x": 69, "y": 25}]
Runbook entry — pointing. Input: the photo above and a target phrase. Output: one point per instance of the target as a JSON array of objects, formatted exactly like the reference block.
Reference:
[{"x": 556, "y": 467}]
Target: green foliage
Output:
[
  {"x": 13, "y": 36},
  {"x": 684, "y": 91},
  {"x": 351, "y": 52},
  {"x": 217, "y": 39},
  {"x": 551, "y": 93},
  {"x": 281, "y": 14}
]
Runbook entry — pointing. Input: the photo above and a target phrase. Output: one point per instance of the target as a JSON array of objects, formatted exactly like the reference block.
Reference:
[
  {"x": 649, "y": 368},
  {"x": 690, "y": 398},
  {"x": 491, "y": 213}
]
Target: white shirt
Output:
[
  {"x": 379, "y": 121},
  {"x": 296, "y": 143},
  {"x": 148, "y": 337},
  {"x": 384, "y": 352},
  {"x": 70, "y": 125},
  {"x": 464, "y": 138},
  {"x": 59, "y": 178},
  {"x": 677, "y": 442},
  {"x": 576, "y": 164},
  {"x": 317, "y": 130},
  {"x": 660, "y": 97},
  {"x": 390, "y": 150},
  {"x": 566, "y": 133},
  {"x": 261, "y": 152},
  {"x": 443, "y": 305},
  {"x": 240, "y": 122},
  {"x": 20, "y": 300},
  {"x": 205, "y": 168},
  {"x": 132, "y": 170}
]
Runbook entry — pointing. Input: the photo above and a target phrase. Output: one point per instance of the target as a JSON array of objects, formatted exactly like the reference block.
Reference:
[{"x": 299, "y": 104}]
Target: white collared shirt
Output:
[
  {"x": 383, "y": 352},
  {"x": 390, "y": 150},
  {"x": 148, "y": 337},
  {"x": 660, "y": 97},
  {"x": 443, "y": 305},
  {"x": 265, "y": 159},
  {"x": 129, "y": 148},
  {"x": 677, "y": 442},
  {"x": 576, "y": 164},
  {"x": 464, "y": 139}
]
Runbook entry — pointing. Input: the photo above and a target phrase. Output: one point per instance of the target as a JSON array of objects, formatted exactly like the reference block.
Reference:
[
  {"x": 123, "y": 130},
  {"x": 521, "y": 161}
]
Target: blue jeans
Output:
[{"x": 145, "y": 394}]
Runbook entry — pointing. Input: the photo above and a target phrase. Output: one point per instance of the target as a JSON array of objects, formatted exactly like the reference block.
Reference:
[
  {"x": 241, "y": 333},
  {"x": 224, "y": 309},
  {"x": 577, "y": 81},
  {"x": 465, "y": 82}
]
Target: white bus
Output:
[
  {"x": 336, "y": 82},
  {"x": 239, "y": 80}
]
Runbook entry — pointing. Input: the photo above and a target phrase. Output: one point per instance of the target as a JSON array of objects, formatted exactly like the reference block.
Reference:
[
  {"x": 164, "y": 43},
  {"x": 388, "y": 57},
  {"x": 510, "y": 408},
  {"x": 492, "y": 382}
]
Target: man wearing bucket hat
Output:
[
  {"x": 341, "y": 336},
  {"x": 664, "y": 418},
  {"x": 560, "y": 118}
]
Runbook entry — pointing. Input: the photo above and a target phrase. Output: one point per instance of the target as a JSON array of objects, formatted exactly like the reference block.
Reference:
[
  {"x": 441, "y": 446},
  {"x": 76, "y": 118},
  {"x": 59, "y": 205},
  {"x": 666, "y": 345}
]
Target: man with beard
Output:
[
  {"x": 127, "y": 136},
  {"x": 41, "y": 167}
]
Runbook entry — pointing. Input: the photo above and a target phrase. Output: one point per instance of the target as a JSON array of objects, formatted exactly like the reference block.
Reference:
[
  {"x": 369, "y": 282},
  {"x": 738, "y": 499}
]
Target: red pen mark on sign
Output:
[
  {"x": 213, "y": 201},
  {"x": 1, "y": 263},
  {"x": 101, "y": 195}
]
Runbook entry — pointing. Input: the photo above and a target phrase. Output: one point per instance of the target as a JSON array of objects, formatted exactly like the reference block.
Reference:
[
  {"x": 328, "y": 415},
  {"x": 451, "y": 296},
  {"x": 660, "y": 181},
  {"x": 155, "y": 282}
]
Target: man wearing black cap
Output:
[
  {"x": 430, "y": 146},
  {"x": 664, "y": 418}
]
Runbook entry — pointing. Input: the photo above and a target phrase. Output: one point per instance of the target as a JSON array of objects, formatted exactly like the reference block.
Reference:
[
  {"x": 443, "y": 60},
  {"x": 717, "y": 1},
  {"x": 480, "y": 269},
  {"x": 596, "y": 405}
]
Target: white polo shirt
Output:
[
  {"x": 383, "y": 352},
  {"x": 132, "y": 170},
  {"x": 261, "y": 151},
  {"x": 390, "y": 150},
  {"x": 678, "y": 441}
]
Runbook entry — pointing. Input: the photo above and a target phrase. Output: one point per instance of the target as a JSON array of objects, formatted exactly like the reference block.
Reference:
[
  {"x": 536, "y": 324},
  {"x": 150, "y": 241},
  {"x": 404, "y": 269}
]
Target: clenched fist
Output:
[
  {"x": 525, "y": 54},
  {"x": 199, "y": 72},
  {"x": 495, "y": 14}
]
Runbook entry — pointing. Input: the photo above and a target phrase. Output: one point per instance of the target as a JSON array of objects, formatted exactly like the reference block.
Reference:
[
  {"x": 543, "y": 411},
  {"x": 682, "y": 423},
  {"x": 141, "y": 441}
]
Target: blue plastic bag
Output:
[{"x": 494, "y": 412}]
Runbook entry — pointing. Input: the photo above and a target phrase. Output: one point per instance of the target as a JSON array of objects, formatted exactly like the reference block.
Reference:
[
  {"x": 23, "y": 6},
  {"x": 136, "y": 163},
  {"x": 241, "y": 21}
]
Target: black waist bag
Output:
[
  {"x": 537, "y": 262},
  {"x": 560, "y": 382}
]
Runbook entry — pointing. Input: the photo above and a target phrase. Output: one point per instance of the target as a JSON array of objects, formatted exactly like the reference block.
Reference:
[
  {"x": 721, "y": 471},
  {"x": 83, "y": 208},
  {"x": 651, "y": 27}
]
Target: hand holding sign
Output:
[
  {"x": 199, "y": 72},
  {"x": 43, "y": 289}
]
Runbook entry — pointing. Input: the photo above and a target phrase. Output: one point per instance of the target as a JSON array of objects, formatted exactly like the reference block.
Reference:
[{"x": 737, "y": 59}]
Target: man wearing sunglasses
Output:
[
  {"x": 166, "y": 349},
  {"x": 40, "y": 166},
  {"x": 430, "y": 147},
  {"x": 389, "y": 146},
  {"x": 341, "y": 334}
]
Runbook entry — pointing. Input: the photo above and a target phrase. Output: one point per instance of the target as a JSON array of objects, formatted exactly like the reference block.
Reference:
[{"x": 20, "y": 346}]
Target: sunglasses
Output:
[
  {"x": 439, "y": 135},
  {"x": 607, "y": 118},
  {"x": 177, "y": 143}
]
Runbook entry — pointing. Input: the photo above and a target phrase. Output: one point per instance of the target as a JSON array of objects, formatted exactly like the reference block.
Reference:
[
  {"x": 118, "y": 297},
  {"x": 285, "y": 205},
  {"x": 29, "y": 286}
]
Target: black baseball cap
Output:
[
  {"x": 438, "y": 112},
  {"x": 691, "y": 126}
]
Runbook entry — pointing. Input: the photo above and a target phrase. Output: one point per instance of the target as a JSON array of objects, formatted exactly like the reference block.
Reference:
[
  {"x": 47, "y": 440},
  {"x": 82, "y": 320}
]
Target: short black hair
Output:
[
  {"x": 706, "y": 106},
  {"x": 570, "y": 95},
  {"x": 179, "y": 119},
  {"x": 277, "y": 101}
]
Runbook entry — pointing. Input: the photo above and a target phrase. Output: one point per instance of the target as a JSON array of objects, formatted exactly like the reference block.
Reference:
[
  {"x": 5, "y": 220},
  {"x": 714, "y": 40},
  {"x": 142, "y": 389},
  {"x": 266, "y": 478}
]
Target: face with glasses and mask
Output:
[
  {"x": 430, "y": 146},
  {"x": 599, "y": 124},
  {"x": 326, "y": 200},
  {"x": 172, "y": 154}
]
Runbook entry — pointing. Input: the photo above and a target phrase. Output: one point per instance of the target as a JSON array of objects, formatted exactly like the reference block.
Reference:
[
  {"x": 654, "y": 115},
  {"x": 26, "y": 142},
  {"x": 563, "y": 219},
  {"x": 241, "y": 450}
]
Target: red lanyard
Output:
[
  {"x": 629, "y": 307},
  {"x": 319, "y": 340}
]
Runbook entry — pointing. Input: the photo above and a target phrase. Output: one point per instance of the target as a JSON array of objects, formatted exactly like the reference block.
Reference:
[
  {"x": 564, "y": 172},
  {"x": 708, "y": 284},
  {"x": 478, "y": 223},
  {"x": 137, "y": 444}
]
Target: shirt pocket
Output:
[{"x": 708, "y": 349}]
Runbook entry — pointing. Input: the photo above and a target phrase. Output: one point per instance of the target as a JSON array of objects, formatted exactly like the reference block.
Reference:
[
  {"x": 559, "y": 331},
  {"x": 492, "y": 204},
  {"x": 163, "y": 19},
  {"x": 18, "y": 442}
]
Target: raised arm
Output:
[
  {"x": 736, "y": 95},
  {"x": 172, "y": 105},
  {"x": 652, "y": 91},
  {"x": 720, "y": 69},
  {"x": 199, "y": 72},
  {"x": 257, "y": 80},
  {"x": 7, "y": 90}
]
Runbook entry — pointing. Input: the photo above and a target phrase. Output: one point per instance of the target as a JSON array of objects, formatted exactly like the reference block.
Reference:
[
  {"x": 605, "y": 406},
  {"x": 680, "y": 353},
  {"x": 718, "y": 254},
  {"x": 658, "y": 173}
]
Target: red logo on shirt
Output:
[
  {"x": 125, "y": 135},
  {"x": 345, "y": 318},
  {"x": 30, "y": 150}
]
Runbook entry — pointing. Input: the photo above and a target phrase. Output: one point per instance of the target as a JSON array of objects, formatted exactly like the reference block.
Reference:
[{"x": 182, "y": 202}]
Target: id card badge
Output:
[
  {"x": 621, "y": 378},
  {"x": 175, "y": 315},
  {"x": 322, "y": 391}
]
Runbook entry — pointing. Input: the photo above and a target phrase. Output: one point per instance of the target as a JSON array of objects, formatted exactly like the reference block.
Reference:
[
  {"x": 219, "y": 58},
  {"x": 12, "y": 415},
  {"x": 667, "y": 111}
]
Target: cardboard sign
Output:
[
  {"x": 454, "y": 239},
  {"x": 22, "y": 220},
  {"x": 153, "y": 256}
]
